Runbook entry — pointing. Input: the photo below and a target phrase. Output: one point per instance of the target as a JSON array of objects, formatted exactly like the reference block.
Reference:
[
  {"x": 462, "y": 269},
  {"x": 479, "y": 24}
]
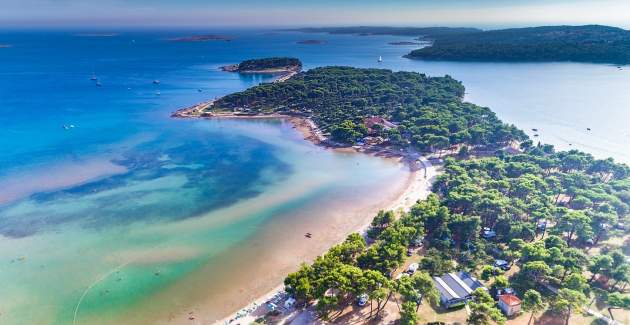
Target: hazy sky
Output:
[{"x": 483, "y": 13}]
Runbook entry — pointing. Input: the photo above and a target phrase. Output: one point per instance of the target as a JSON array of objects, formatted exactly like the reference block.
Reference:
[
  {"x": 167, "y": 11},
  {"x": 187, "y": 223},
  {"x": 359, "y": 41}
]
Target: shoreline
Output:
[{"x": 416, "y": 187}]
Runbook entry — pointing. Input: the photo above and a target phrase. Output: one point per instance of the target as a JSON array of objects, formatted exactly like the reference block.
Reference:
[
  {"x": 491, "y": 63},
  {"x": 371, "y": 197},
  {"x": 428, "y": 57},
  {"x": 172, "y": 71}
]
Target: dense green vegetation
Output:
[
  {"x": 546, "y": 211},
  {"x": 269, "y": 63},
  {"x": 592, "y": 43},
  {"x": 428, "y": 111},
  {"x": 581, "y": 200}
]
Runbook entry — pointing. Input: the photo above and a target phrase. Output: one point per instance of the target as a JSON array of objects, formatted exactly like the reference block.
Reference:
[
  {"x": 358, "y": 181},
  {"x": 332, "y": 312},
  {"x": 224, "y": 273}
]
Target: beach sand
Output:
[
  {"x": 417, "y": 186},
  {"x": 256, "y": 267}
]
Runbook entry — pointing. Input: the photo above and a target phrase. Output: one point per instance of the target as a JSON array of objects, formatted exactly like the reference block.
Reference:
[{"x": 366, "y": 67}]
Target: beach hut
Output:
[
  {"x": 373, "y": 123},
  {"x": 456, "y": 288},
  {"x": 509, "y": 304}
]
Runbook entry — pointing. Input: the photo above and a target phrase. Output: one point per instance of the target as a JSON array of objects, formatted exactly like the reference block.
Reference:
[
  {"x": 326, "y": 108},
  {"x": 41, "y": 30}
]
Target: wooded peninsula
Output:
[
  {"x": 589, "y": 43},
  {"x": 531, "y": 222}
]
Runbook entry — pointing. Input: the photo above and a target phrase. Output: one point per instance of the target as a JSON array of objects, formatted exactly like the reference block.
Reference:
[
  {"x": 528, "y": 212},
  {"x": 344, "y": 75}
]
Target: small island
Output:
[
  {"x": 311, "y": 42},
  {"x": 430, "y": 32},
  {"x": 266, "y": 65},
  {"x": 404, "y": 43},
  {"x": 96, "y": 34},
  {"x": 202, "y": 38}
]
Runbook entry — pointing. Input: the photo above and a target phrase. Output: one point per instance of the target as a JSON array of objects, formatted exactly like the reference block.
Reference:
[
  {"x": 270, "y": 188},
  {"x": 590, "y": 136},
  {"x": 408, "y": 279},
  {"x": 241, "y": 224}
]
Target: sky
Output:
[{"x": 275, "y": 13}]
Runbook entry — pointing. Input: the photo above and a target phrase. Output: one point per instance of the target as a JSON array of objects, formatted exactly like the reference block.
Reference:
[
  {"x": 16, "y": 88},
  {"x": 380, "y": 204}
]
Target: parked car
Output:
[
  {"x": 417, "y": 242},
  {"x": 502, "y": 264},
  {"x": 413, "y": 267},
  {"x": 409, "y": 252},
  {"x": 488, "y": 233},
  {"x": 362, "y": 300}
]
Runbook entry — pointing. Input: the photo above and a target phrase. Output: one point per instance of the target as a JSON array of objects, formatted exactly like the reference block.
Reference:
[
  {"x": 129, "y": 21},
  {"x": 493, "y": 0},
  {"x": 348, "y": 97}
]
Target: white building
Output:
[{"x": 509, "y": 304}]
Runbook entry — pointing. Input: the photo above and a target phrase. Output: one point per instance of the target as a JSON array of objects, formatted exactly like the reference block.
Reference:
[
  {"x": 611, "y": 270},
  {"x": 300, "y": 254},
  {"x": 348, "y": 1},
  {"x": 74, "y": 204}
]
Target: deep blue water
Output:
[
  {"x": 129, "y": 183},
  {"x": 45, "y": 84}
]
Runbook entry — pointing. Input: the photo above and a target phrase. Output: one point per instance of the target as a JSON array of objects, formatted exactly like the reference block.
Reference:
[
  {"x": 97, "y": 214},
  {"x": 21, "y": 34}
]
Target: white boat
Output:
[
  {"x": 157, "y": 82},
  {"x": 380, "y": 59},
  {"x": 94, "y": 78}
]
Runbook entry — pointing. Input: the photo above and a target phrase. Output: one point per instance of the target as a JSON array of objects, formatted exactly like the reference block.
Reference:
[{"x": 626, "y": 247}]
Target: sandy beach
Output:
[{"x": 417, "y": 186}]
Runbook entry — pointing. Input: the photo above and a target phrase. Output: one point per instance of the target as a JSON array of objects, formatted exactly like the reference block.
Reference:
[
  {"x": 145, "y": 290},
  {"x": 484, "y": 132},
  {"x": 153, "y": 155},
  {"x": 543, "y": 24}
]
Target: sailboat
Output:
[
  {"x": 93, "y": 78},
  {"x": 380, "y": 59}
]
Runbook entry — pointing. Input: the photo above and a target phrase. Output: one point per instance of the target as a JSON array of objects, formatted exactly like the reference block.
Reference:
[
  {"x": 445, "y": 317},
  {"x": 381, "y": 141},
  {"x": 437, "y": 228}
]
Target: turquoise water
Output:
[{"x": 131, "y": 213}]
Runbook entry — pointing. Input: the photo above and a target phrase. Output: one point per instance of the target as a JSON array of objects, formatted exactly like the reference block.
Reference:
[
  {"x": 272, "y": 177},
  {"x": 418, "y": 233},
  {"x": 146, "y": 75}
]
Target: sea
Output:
[{"x": 113, "y": 212}]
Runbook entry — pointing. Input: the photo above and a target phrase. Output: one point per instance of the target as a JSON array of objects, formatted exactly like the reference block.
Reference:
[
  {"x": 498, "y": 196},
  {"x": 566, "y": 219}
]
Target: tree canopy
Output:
[
  {"x": 591, "y": 43},
  {"x": 425, "y": 112}
]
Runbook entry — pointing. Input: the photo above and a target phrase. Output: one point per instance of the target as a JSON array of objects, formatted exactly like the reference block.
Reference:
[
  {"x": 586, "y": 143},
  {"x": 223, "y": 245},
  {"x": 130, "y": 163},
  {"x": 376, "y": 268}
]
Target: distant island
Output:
[
  {"x": 96, "y": 34},
  {"x": 311, "y": 42},
  {"x": 404, "y": 43},
  {"x": 428, "y": 32},
  {"x": 202, "y": 38},
  {"x": 266, "y": 65},
  {"x": 592, "y": 43},
  {"x": 589, "y": 43}
]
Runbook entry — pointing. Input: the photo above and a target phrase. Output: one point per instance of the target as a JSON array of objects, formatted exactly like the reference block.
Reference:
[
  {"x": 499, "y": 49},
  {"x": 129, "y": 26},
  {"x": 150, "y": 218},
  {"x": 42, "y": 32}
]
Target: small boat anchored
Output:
[
  {"x": 156, "y": 82},
  {"x": 380, "y": 59},
  {"x": 93, "y": 77}
]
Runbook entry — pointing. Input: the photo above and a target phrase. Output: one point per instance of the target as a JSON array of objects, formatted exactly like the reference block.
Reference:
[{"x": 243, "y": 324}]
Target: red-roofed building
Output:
[
  {"x": 373, "y": 121},
  {"x": 510, "y": 304}
]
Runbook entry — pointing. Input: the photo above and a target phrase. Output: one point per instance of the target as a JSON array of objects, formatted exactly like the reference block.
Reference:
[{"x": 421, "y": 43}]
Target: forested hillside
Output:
[
  {"x": 428, "y": 112},
  {"x": 593, "y": 43},
  {"x": 269, "y": 63}
]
